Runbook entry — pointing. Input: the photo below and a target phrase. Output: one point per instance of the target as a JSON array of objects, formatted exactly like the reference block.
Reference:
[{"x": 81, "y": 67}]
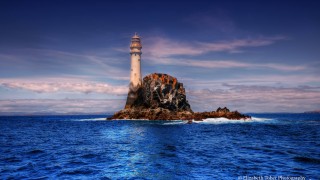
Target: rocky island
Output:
[{"x": 162, "y": 97}]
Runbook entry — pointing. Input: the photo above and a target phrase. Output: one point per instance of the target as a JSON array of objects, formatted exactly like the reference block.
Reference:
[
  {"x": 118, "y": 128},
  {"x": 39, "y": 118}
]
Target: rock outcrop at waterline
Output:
[
  {"x": 152, "y": 114},
  {"x": 162, "y": 97},
  {"x": 165, "y": 114},
  {"x": 220, "y": 112}
]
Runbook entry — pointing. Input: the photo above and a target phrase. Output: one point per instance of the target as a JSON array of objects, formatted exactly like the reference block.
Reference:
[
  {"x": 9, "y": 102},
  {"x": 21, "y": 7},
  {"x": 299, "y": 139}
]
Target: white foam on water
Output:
[
  {"x": 260, "y": 119},
  {"x": 175, "y": 122},
  {"x": 219, "y": 121},
  {"x": 180, "y": 122},
  {"x": 225, "y": 120},
  {"x": 91, "y": 119}
]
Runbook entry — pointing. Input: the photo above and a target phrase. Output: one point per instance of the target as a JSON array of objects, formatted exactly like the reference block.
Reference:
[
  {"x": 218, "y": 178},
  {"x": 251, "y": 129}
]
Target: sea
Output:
[{"x": 270, "y": 146}]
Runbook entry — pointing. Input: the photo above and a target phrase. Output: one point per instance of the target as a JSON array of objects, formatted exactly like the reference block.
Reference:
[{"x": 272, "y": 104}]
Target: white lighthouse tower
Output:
[
  {"x": 135, "y": 71},
  {"x": 135, "y": 52}
]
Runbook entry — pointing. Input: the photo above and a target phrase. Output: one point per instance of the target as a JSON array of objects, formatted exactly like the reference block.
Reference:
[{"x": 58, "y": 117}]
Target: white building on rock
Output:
[{"x": 135, "y": 72}]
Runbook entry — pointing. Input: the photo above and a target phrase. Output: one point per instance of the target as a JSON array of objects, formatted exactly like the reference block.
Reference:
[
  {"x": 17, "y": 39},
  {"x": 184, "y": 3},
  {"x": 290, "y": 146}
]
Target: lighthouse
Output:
[
  {"x": 135, "y": 55},
  {"x": 135, "y": 71}
]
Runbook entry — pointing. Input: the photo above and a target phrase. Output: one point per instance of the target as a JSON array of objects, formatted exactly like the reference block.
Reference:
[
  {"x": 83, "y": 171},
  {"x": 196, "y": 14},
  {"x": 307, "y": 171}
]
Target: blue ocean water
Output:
[{"x": 89, "y": 147}]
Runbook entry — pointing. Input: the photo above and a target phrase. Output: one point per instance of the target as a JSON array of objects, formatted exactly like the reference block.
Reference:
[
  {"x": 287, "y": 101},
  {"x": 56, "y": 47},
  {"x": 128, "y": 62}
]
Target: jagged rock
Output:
[{"x": 160, "y": 90}]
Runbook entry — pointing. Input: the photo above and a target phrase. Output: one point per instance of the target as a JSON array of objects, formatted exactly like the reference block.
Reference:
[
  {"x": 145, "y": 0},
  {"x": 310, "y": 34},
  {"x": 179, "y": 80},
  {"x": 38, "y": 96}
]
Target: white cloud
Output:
[
  {"x": 225, "y": 64},
  {"x": 60, "y": 106},
  {"x": 46, "y": 62},
  {"x": 164, "y": 47},
  {"x": 236, "y": 45},
  {"x": 249, "y": 80},
  {"x": 63, "y": 85}
]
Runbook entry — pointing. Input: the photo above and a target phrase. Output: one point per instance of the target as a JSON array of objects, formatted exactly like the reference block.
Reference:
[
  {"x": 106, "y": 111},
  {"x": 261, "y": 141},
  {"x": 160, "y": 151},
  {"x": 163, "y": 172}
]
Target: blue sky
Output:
[{"x": 73, "y": 57}]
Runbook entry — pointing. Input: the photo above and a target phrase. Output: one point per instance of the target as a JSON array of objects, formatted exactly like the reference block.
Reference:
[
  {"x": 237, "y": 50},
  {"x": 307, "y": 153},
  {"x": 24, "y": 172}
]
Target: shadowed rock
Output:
[{"x": 159, "y": 91}]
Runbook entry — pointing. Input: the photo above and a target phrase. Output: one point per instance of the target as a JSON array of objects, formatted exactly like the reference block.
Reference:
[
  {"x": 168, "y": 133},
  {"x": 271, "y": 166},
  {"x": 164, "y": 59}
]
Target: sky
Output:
[{"x": 72, "y": 57}]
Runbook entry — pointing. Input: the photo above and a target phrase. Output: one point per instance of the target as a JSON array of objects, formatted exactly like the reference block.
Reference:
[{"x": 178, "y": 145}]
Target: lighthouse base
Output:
[{"x": 134, "y": 98}]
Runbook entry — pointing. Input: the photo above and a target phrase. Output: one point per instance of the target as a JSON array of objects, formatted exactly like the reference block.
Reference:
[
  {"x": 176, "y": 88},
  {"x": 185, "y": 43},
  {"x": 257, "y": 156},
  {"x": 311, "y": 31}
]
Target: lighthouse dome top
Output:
[{"x": 135, "y": 36}]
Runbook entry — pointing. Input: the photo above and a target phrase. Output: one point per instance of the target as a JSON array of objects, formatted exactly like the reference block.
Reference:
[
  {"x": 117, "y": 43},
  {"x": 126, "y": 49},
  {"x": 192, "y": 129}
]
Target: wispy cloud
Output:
[
  {"x": 60, "y": 106},
  {"x": 164, "y": 47},
  {"x": 165, "y": 51},
  {"x": 64, "y": 85},
  {"x": 260, "y": 80},
  {"x": 236, "y": 45},
  {"x": 225, "y": 64},
  {"x": 46, "y": 62}
]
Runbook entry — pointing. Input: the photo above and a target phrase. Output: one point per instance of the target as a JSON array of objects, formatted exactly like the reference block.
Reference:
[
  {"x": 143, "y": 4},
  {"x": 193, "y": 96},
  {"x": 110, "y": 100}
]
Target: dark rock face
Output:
[
  {"x": 135, "y": 97},
  {"x": 160, "y": 91},
  {"x": 162, "y": 97},
  {"x": 223, "y": 110}
]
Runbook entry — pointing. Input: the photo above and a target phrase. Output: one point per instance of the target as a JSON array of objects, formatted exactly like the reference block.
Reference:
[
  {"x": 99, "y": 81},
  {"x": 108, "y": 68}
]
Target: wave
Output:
[
  {"x": 175, "y": 122},
  {"x": 90, "y": 119},
  {"x": 260, "y": 119},
  {"x": 179, "y": 122},
  {"x": 225, "y": 120},
  {"x": 220, "y": 121}
]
